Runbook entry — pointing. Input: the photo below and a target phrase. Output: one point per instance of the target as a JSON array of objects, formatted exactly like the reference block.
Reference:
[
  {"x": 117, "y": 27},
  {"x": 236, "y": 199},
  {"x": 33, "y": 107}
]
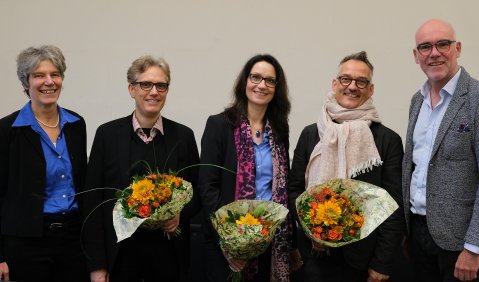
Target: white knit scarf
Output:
[{"x": 346, "y": 147}]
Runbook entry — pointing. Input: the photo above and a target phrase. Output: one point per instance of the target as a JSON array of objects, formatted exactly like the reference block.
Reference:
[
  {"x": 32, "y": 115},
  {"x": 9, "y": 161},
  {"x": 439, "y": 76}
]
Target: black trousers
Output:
[
  {"x": 56, "y": 256},
  {"x": 429, "y": 261},
  {"x": 148, "y": 256}
]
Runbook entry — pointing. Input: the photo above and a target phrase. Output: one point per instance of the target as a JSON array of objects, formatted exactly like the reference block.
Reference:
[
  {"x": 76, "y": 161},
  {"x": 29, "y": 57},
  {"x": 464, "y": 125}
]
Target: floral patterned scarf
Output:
[{"x": 245, "y": 189}]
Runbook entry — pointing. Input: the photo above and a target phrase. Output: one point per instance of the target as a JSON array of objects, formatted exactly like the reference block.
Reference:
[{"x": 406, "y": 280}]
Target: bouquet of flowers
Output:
[
  {"x": 247, "y": 227},
  {"x": 342, "y": 211},
  {"x": 148, "y": 201}
]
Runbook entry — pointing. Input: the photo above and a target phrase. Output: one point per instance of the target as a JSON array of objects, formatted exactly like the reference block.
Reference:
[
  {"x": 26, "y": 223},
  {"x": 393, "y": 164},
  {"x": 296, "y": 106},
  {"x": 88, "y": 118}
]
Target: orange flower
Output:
[
  {"x": 144, "y": 211},
  {"x": 334, "y": 235},
  {"x": 264, "y": 232}
]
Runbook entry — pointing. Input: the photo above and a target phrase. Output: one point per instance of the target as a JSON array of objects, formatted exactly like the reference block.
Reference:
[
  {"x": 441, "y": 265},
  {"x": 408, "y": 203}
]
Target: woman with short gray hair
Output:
[{"x": 42, "y": 167}]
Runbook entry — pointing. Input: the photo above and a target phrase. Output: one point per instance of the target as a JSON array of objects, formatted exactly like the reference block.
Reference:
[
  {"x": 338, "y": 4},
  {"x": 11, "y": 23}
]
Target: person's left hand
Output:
[
  {"x": 376, "y": 276},
  {"x": 467, "y": 265},
  {"x": 171, "y": 224},
  {"x": 295, "y": 262}
]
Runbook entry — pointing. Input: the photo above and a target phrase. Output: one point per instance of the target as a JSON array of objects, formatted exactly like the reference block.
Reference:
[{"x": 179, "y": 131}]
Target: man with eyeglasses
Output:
[
  {"x": 440, "y": 167},
  {"x": 349, "y": 141},
  {"x": 143, "y": 142}
]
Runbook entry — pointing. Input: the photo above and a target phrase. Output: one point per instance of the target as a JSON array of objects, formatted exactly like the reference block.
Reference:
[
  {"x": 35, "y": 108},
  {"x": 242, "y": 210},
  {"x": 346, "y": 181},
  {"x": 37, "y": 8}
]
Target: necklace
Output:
[
  {"x": 47, "y": 125},
  {"x": 257, "y": 132}
]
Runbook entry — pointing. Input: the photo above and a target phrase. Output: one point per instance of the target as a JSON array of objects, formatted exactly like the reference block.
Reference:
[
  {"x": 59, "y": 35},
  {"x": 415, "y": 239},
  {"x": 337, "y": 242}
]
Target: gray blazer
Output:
[{"x": 452, "y": 196}]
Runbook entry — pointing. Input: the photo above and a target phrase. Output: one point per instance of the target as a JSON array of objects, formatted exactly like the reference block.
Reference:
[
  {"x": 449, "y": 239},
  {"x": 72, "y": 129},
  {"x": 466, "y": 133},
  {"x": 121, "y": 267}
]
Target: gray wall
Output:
[{"x": 207, "y": 42}]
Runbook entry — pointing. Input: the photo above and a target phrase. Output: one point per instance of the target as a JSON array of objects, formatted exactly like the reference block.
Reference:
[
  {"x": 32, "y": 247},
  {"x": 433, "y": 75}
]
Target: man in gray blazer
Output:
[{"x": 440, "y": 166}]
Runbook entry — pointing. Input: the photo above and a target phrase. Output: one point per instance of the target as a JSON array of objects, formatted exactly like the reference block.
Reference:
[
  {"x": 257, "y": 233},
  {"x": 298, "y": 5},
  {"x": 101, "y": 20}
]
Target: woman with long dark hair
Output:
[{"x": 249, "y": 137}]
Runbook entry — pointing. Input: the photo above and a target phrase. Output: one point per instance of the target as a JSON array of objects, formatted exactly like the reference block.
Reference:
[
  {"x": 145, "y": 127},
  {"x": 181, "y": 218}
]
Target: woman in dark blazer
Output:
[
  {"x": 251, "y": 138},
  {"x": 42, "y": 166},
  {"x": 349, "y": 109},
  {"x": 119, "y": 151}
]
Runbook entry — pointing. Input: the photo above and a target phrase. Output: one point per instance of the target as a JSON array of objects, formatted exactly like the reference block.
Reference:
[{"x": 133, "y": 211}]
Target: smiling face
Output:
[
  {"x": 259, "y": 95},
  {"x": 44, "y": 85},
  {"x": 148, "y": 104},
  {"x": 351, "y": 96},
  {"x": 439, "y": 67}
]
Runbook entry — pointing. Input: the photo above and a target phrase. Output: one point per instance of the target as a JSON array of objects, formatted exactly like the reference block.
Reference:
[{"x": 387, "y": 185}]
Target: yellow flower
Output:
[
  {"x": 327, "y": 213},
  {"x": 248, "y": 219},
  {"x": 142, "y": 191}
]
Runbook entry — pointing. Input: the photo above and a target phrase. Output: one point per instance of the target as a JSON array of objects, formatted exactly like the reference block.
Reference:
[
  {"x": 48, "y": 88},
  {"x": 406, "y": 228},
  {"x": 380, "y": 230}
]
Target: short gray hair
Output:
[
  {"x": 29, "y": 59},
  {"x": 143, "y": 63}
]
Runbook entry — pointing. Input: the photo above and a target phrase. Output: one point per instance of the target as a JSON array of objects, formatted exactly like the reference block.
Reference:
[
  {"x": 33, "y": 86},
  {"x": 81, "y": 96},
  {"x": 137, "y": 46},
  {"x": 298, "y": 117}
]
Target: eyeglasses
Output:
[
  {"x": 361, "y": 83},
  {"x": 256, "y": 79},
  {"x": 441, "y": 46},
  {"x": 148, "y": 85}
]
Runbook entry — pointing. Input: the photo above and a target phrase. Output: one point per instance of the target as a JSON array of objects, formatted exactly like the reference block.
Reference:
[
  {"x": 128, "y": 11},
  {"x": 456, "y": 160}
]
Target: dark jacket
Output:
[
  {"x": 23, "y": 174},
  {"x": 378, "y": 249},
  {"x": 109, "y": 166}
]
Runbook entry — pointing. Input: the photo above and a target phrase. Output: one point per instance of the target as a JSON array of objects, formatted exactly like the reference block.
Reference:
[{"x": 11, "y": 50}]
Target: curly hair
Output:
[{"x": 29, "y": 59}]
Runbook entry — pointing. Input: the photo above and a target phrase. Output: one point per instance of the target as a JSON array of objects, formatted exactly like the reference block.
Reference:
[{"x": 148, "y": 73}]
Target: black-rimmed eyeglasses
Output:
[
  {"x": 148, "y": 85},
  {"x": 361, "y": 83},
  {"x": 256, "y": 79},
  {"x": 441, "y": 46}
]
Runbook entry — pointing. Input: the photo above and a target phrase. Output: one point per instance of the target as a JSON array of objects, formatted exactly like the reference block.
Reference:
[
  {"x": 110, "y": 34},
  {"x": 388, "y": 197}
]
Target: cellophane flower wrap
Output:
[
  {"x": 148, "y": 201},
  {"x": 247, "y": 227},
  {"x": 343, "y": 211}
]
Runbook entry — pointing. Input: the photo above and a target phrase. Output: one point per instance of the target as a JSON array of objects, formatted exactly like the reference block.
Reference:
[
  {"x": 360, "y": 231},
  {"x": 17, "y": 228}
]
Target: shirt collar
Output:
[
  {"x": 27, "y": 118},
  {"x": 158, "y": 124},
  {"x": 449, "y": 88}
]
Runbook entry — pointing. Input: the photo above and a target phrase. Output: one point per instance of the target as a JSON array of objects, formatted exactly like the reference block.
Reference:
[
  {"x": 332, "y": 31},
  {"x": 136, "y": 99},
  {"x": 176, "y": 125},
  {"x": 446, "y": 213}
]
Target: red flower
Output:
[
  {"x": 144, "y": 211},
  {"x": 334, "y": 235}
]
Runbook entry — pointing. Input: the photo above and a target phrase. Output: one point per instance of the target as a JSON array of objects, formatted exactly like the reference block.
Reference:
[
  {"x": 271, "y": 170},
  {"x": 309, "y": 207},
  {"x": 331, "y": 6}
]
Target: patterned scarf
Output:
[
  {"x": 245, "y": 189},
  {"x": 346, "y": 147}
]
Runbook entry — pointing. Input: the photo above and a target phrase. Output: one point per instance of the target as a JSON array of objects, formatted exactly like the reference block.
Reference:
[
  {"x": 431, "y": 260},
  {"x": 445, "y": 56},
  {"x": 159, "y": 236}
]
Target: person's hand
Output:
[
  {"x": 295, "y": 262},
  {"x": 171, "y": 224},
  {"x": 4, "y": 272},
  {"x": 376, "y": 276},
  {"x": 235, "y": 264},
  {"x": 467, "y": 265},
  {"x": 100, "y": 275},
  {"x": 317, "y": 247}
]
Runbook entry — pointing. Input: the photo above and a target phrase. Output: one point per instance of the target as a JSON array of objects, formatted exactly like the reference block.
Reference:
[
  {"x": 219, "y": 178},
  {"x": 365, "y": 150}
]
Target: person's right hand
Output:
[
  {"x": 4, "y": 272},
  {"x": 100, "y": 275},
  {"x": 235, "y": 264}
]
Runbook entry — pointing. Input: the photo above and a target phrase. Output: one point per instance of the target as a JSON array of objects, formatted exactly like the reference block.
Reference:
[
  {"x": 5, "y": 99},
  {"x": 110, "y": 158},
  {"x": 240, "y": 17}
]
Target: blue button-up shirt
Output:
[
  {"x": 60, "y": 188},
  {"x": 264, "y": 169},
  {"x": 424, "y": 135}
]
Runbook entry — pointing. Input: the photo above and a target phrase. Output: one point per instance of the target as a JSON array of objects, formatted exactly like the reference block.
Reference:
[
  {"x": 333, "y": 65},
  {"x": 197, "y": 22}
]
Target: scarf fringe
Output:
[{"x": 365, "y": 167}]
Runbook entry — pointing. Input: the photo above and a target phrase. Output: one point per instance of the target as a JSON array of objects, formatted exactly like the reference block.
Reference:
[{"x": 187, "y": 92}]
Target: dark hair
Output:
[
  {"x": 360, "y": 56},
  {"x": 279, "y": 107}
]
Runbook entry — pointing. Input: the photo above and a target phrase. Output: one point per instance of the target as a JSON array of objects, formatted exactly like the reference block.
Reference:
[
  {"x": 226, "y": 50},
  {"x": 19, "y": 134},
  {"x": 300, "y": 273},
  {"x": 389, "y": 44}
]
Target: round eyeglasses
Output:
[
  {"x": 361, "y": 83},
  {"x": 442, "y": 46},
  {"x": 256, "y": 79},
  {"x": 148, "y": 85}
]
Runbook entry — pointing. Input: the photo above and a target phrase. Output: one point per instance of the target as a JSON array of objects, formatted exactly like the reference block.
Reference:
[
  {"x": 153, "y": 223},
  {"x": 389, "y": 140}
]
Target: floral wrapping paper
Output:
[
  {"x": 375, "y": 204},
  {"x": 243, "y": 241},
  {"x": 125, "y": 227}
]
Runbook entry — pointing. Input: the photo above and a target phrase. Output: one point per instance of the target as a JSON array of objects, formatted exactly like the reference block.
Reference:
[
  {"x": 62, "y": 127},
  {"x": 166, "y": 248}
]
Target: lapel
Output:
[
  {"x": 123, "y": 136},
  {"x": 171, "y": 144},
  {"x": 413, "y": 115},
  {"x": 34, "y": 139},
  {"x": 458, "y": 99}
]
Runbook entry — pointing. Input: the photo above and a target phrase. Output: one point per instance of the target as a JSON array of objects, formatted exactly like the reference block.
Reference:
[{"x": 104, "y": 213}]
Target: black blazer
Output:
[
  {"x": 109, "y": 166},
  {"x": 23, "y": 174},
  {"x": 217, "y": 186},
  {"x": 378, "y": 249}
]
